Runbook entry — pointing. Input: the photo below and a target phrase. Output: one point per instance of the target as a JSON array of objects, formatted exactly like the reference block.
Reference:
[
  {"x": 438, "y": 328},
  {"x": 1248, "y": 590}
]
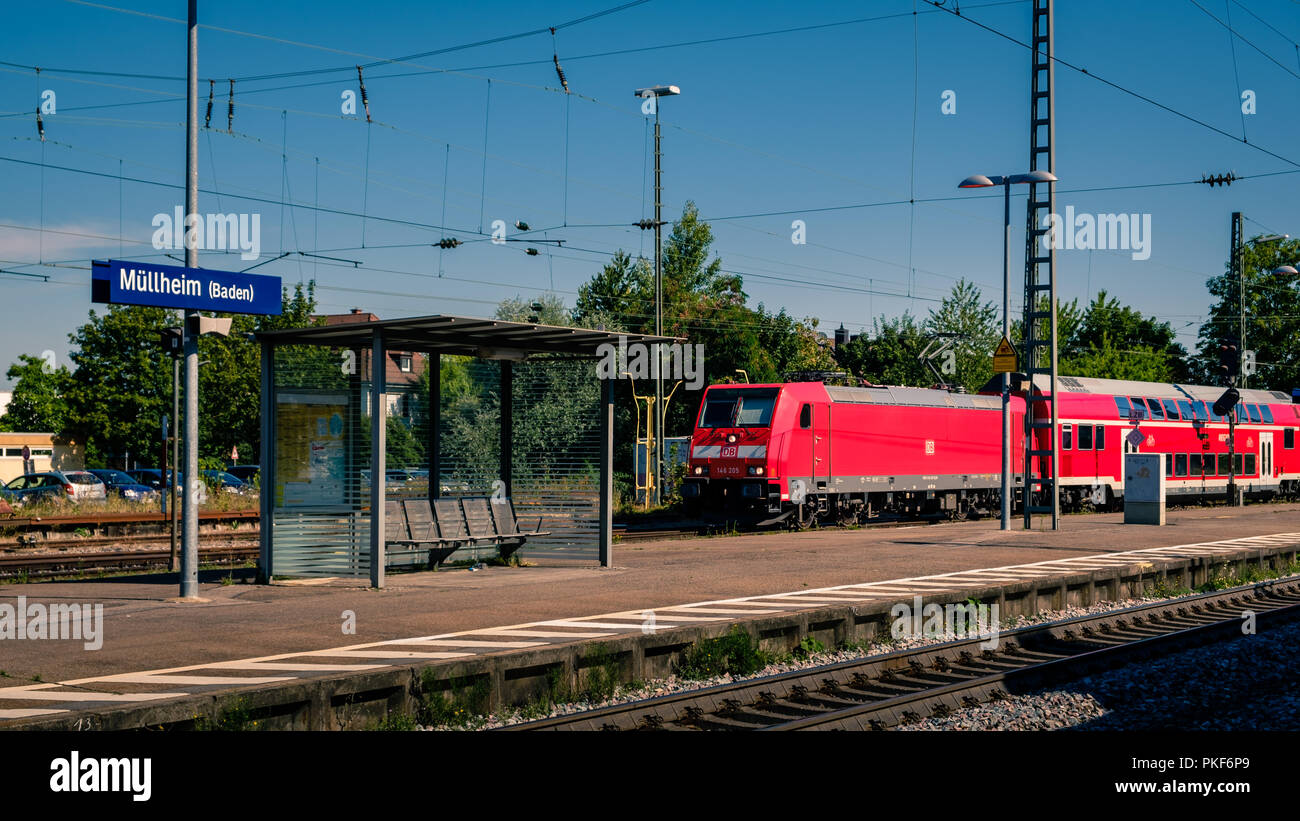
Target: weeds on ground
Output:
[
  {"x": 736, "y": 654},
  {"x": 397, "y": 723},
  {"x": 233, "y": 717},
  {"x": 463, "y": 704},
  {"x": 808, "y": 647}
]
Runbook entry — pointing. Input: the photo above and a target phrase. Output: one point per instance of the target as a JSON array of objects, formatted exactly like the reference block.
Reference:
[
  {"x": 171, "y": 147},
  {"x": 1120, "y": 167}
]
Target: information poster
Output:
[{"x": 311, "y": 450}]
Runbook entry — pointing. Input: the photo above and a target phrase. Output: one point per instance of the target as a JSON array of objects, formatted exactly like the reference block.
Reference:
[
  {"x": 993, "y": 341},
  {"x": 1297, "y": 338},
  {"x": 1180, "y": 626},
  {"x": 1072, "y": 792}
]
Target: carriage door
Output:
[
  {"x": 821, "y": 445},
  {"x": 1266, "y": 458}
]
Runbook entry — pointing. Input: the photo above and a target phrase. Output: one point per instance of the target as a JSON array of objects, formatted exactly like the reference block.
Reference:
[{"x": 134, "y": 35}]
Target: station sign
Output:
[{"x": 119, "y": 282}]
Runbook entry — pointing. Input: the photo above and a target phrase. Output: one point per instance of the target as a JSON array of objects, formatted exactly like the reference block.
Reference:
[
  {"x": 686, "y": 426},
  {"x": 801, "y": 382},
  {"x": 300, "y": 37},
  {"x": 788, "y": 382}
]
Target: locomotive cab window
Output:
[
  {"x": 738, "y": 407},
  {"x": 805, "y": 416}
]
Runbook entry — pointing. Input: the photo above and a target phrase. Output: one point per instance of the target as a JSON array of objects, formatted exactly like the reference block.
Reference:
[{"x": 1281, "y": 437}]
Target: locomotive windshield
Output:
[{"x": 738, "y": 408}]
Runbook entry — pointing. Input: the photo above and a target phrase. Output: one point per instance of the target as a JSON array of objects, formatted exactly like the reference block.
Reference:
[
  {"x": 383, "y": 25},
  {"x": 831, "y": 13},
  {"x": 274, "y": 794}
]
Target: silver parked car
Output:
[{"x": 86, "y": 486}]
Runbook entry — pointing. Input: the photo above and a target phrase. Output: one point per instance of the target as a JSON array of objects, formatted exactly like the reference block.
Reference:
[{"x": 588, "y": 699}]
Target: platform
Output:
[{"x": 162, "y": 662}]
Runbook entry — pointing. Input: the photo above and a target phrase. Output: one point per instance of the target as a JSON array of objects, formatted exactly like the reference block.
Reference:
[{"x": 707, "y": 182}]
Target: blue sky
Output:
[{"x": 831, "y": 116}]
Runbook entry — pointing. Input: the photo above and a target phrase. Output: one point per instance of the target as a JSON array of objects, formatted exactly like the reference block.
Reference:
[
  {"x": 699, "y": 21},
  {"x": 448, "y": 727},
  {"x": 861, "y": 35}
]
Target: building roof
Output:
[{"x": 460, "y": 335}]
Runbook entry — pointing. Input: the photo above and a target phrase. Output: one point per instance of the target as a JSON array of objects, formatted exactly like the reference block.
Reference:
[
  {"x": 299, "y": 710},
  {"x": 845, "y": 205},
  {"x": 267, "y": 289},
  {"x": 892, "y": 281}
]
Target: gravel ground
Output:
[
  {"x": 1049, "y": 710},
  {"x": 1244, "y": 684}
]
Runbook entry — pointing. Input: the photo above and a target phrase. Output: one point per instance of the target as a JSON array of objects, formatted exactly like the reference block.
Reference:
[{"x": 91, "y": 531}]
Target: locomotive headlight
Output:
[
  {"x": 755, "y": 470},
  {"x": 699, "y": 471},
  {"x": 731, "y": 438}
]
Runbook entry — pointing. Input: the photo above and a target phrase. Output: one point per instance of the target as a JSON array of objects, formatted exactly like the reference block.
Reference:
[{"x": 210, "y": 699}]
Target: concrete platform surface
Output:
[{"x": 153, "y": 648}]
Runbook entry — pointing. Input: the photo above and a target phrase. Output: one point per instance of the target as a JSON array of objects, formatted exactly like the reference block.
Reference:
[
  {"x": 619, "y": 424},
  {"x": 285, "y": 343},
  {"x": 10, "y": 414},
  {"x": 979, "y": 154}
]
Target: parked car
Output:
[
  {"x": 244, "y": 473},
  {"x": 226, "y": 482},
  {"x": 153, "y": 478},
  {"x": 86, "y": 486},
  {"x": 32, "y": 487},
  {"x": 121, "y": 484}
]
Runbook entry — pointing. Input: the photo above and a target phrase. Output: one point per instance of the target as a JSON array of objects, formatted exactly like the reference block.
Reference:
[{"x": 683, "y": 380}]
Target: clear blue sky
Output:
[{"x": 796, "y": 121}]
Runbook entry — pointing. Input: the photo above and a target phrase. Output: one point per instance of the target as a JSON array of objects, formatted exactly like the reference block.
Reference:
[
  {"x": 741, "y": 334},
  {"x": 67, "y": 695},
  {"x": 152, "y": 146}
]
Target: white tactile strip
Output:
[{"x": 66, "y": 696}]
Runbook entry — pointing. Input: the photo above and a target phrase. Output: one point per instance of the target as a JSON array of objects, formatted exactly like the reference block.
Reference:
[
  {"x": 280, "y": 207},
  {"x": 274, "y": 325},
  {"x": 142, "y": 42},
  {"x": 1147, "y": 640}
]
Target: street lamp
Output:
[
  {"x": 981, "y": 181},
  {"x": 652, "y": 93}
]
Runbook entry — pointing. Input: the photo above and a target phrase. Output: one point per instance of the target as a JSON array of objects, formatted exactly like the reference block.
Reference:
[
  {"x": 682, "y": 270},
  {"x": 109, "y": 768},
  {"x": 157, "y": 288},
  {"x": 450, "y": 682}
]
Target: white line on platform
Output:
[
  {"x": 80, "y": 695},
  {"x": 173, "y": 680},
  {"x": 541, "y": 634},
  {"x": 27, "y": 712},
  {"x": 387, "y": 654},
  {"x": 483, "y": 645},
  {"x": 294, "y": 666}
]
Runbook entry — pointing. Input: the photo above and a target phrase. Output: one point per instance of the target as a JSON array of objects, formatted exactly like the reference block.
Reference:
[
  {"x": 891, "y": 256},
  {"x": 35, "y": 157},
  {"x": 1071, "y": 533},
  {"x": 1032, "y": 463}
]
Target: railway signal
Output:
[{"x": 1229, "y": 360}]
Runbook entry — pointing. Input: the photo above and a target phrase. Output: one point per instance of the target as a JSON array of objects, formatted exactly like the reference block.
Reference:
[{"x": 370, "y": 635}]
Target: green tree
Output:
[
  {"x": 39, "y": 401},
  {"x": 1135, "y": 346},
  {"x": 978, "y": 327},
  {"x": 1272, "y": 310},
  {"x": 888, "y": 356}
]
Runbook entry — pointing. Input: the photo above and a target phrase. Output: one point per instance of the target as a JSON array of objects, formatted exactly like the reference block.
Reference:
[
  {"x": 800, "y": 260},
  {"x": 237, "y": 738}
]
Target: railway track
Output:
[
  {"x": 881, "y": 692},
  {"x": 47, "y": 565}
]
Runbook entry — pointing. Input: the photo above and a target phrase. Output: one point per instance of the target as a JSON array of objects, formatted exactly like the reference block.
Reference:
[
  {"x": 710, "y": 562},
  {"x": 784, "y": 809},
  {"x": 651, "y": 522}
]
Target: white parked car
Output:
[{"x": 85, "y": 486}]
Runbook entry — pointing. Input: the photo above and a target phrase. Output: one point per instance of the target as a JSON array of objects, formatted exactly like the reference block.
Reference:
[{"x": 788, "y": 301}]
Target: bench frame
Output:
[{"x": 451, "y": 524}]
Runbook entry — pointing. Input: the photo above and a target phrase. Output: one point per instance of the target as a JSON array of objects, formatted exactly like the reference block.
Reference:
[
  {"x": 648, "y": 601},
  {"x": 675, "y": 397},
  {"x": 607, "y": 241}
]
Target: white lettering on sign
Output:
[
  {"x": 218, "y": 291},
  {"x": 156, "y": 282}
]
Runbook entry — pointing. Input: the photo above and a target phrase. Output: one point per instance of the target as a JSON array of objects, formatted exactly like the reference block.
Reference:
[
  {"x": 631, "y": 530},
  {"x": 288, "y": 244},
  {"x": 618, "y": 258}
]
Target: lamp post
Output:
[
  {"x": 653, "y": 93},
  {"x": 981, "y": 181}
]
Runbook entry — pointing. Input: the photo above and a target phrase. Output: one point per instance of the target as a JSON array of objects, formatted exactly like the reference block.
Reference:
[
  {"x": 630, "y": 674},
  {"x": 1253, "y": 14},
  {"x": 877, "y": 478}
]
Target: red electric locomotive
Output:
[{"x": 803, "y": 451}]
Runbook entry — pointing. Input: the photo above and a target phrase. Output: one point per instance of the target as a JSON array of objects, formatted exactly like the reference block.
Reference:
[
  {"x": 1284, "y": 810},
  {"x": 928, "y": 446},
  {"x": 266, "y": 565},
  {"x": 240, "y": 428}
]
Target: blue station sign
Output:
[{"x": 118, "y": 282}]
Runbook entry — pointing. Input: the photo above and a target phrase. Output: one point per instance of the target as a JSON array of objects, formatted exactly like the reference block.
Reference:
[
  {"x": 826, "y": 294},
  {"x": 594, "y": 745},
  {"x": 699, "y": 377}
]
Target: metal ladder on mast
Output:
[{"x": 1041, "y": 495}]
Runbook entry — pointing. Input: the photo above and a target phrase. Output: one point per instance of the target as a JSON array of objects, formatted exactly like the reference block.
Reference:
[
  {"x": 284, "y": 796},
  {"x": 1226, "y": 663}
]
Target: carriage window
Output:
[
  {"x": 1194, "y": 464},
  {"x": 1186, "y": 408},
  {"x": 1288, "y": 438},
  {"x": 1250, "y": 463},
  {"x": 1180, "y": 464},
  {"x": 1139, "y": 407},
  {"x": 1124, "y": 408},
  {"x": 1266, "y": 413},
  {"x": 1239, "y": 465},
  {"x": 1099, "y": 442},
  {"x": 1169, "y": 465},
  {"x": 1216, "y": 417},
  {"x": 1085, "y": 437},
  {"x": 1171, "y": 408},
  {"x": 1157, "y": 412},
  {"x": 1198, "y": 410},
  {"x": 1067, "y": 437},
  {"x": 1223, "y": 464},
  {"x": 805, "y": 416},
  {"x": 1253, "y": 412}
]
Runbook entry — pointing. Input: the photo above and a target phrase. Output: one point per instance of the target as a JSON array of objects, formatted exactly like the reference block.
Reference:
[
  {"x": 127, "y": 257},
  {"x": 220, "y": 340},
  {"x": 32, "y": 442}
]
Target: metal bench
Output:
[{"x": 440, "y": 528}]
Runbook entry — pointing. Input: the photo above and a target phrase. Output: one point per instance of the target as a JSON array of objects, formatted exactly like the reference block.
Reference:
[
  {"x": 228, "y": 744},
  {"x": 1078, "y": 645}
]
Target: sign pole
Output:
[
  {"x": 1006, "y": 336},
  {"x": 190, "y": 538}
]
